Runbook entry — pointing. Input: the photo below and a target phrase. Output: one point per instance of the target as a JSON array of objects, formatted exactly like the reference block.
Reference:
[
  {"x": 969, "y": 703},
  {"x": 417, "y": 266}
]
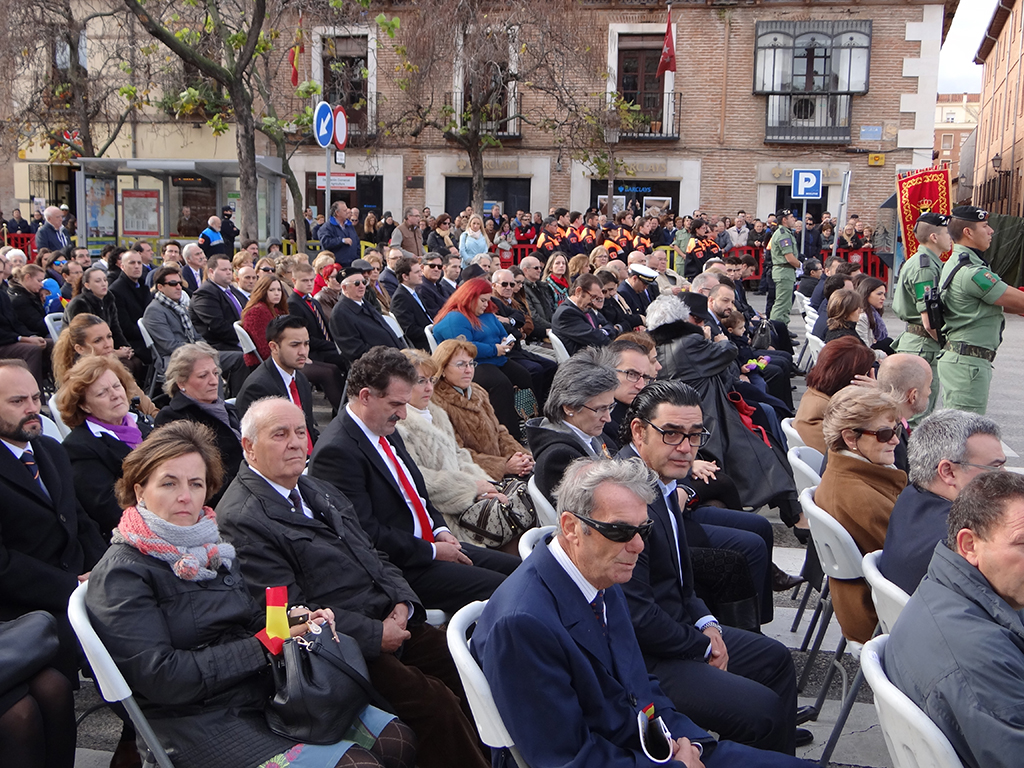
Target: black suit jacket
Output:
[
  {"x": 46, "y": 237},
  {"x": 190, "y": 286},
  {"x": 95, "y": 467},
  {"x": 411, "y": 317},
  {"x": 638, "y": 302},
  {"x": 446, "y": 288},
  {"x": 45, "y": 541},
  {"x": 571, "y": 326},
  {"x": 358, "y": 328},
  {"x": 325, "y": 561},
  {"x": 131, "y": 301},
  {"x": 662, "y": 602},
  {"x": 345, "y": 458},
  {"x": 213, "y": 316},
  {"x": 266, "y": 381},
  {"x": 433, "y": 296},
  {"x": 318, "y": 343}
]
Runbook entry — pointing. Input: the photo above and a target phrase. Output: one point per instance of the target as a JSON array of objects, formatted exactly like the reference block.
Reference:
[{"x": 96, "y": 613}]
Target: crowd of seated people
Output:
[{"x": 432, "y": 364}]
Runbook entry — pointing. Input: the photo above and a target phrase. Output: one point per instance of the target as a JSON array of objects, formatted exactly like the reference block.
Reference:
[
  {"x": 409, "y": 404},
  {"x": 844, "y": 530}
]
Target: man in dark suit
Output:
[
  {"x": 388, "y": 278},
  {"x": 192, "y": 269},
  {"x": 573, "y": 322},
  {"x": 407, "y": 306},
  {"x": 315, "y": 546},
  {"x": 302, "y": 305},
  {"x": 361, "y": 455},
  {"x": 49, "y": 544},
  {"x": 638, "y": 288},
  {"x": 450, "y": 280},
  {"x": 355, "y": 324},
  {"x": 16, "y": 340},
  {"x": 739, "y": 684},
  {"x": 433, "y": 291},
  {"x": 52, "y": 234},
  {"x": 558, "y": 650},
  {"x": 131, "y": 297},
  {"x": 214, "y": 309},
  {"x": 18, "y": 225},
  {"x": 280, "y": 375}
]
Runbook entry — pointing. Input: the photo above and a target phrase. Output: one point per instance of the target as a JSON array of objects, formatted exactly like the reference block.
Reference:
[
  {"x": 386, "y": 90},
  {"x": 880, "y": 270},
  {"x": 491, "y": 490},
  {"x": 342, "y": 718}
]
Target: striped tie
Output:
[
  {"x": 33, "y": 469},
  {"x": 319, "y": 319},
  {"x": 597, "y": 604}
]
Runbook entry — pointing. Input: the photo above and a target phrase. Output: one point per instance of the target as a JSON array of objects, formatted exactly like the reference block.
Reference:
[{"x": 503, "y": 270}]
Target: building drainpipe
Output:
[{"x": 727, "y": 18}]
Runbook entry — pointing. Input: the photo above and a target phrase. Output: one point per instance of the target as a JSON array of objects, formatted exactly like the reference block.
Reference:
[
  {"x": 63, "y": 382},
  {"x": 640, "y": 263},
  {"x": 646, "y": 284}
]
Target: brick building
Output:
[
  {"x": 956, "y": 115},
  {"x": 759, "y": 89},
  {"x": 999, "y": 153}
]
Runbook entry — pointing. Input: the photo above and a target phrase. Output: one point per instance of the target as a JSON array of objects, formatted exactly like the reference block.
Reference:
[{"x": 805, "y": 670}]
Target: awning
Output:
[{"x": 158, "y": 167}]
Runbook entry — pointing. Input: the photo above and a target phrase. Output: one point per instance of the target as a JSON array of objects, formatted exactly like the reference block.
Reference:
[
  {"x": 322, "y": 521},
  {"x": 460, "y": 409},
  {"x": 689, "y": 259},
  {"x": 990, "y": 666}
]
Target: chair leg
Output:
[
  {"x": 143, "y": 727},
  {"x": 827, "y": 682},
  {"x": 803, "y": 606},
  {"x": 844, "y": 714},
  {"x": 816, "y": 647},
  {"x": 822, "y": 600}
]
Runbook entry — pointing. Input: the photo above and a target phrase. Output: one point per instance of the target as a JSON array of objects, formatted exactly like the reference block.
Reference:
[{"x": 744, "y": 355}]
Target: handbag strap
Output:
[{"x": 340, "y": 664}]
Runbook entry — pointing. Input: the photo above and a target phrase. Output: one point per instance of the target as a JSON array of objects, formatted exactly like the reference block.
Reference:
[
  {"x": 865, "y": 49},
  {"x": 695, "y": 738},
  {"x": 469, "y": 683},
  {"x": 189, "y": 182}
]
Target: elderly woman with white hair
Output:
[{"x": 742, "y": 447}]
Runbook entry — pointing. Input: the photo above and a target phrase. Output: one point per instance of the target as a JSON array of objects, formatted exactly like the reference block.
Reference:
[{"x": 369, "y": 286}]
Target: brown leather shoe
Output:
[{"x": 126, "y": 755}]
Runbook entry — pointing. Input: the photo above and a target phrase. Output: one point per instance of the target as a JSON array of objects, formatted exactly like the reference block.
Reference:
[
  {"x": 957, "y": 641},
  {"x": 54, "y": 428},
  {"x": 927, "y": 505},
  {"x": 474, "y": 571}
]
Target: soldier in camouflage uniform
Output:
[
  {"x": 973, "y": 306},
  {"x": 785, "y": 251},
  {"x": 920, "y": 272}
]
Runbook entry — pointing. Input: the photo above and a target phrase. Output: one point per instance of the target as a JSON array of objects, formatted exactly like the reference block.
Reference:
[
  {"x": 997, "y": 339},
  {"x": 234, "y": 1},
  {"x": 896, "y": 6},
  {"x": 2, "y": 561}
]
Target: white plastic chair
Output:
[
  {"x": 792, "y": 436},
  {"x": 392, "y": 321},
  {"x": 800, "y": 303},
  {"x": 429, "y": 330},
  {"x": 912, "y": 738},
  {"x": 814, "y": 347},
  {"x": 55, "y": 416},
  {"x": 54, "y": 324},
  {"x": 546, "y": 514},
  {"x": 529, "y": 540},
  {"x": 245, "y": 340},
  {"x": 806, "y": 464},
  {"x": 50, "y": 428},
  {"x": 561, "y": 353},
  {"x": 158, "y": 361},
  {"x": 489, "y": 724},
  {"x": 108, "y": 677},
  {"x": 888, "y": 598}
]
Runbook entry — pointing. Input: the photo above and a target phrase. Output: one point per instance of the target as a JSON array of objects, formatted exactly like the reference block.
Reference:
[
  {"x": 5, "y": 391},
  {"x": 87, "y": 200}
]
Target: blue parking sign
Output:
[
  {"x": 323, "y": 124},
  {"x": 806, "y": 184}
]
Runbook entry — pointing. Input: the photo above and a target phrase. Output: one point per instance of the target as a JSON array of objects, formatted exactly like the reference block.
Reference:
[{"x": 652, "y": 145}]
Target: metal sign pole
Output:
[
  {"x": 803, "y": 230},
  {"x": 836, "y": 231},
  {"x": 327, "y": 185}
]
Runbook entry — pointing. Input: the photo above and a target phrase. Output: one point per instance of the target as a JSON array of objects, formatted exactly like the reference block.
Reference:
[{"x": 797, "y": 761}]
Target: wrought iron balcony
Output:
[{"x": 499, "y": 118}]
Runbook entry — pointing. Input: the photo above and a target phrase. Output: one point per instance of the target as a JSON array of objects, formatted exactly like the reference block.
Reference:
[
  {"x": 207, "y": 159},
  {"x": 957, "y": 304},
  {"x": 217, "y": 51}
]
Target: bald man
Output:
[{"x": 908, "y": 378}]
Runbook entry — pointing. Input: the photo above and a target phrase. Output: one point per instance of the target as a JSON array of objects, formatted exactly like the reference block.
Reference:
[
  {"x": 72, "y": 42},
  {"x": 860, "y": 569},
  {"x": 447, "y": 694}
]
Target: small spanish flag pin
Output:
[
  {"x": 277, "y": 612},
  {"x": 649, "y": 711}
]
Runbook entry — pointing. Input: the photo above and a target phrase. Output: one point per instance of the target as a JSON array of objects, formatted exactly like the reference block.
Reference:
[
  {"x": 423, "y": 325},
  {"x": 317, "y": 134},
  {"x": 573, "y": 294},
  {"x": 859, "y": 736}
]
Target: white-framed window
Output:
[
  {"x": 634, "y": 51},
  {"x": 344, "y": 64},
  {"x": 493, "y": 84}
]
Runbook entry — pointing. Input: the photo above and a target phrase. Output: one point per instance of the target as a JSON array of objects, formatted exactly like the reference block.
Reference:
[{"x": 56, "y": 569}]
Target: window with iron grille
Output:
[
  {"x": 810, "y": 71},
  {"x": 346, "y": 74}
]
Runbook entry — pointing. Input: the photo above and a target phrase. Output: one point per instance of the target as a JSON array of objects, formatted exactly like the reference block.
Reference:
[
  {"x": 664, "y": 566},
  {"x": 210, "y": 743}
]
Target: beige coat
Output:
[{"x": 809, "y": 415}]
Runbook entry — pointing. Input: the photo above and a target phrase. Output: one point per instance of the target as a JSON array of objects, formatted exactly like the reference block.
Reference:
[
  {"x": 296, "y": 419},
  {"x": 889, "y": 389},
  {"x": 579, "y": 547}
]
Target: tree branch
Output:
[{"x": 186, "y": 53}]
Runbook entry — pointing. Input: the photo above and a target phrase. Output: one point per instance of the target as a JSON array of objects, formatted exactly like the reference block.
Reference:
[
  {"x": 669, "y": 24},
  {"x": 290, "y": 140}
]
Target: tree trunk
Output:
[
  {"x": 476, "y": 165},
  {"x": 298, "y": 205},
  {"x": 245, "y": 142}
]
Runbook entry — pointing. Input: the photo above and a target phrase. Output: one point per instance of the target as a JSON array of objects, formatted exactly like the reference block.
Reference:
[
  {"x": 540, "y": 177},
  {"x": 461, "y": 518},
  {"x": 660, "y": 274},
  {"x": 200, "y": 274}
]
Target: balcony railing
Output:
[
  {"x": 812, "y": 118},
  {"x": 362, "y": 119},
  {"x": 500, "y": 118},
  {"x": 657, "y": 122}
]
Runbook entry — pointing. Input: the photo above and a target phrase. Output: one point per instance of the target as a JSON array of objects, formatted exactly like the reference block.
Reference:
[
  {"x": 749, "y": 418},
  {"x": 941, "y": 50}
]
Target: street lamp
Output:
[{"x": 997, "y": 163}]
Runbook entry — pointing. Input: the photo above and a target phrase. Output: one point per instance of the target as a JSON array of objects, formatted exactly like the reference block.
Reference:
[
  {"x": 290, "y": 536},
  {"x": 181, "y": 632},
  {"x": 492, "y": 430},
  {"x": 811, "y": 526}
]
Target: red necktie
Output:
[
  {"x": 410, "y": 491},
  {"x": 293, "y": 390},
  {"x": 591, "y": 319}
]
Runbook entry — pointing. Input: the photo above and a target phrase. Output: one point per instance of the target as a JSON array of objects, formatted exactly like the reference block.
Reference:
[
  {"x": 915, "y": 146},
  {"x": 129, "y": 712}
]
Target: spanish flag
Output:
[
  {"x": 277, "y": 612},
  {"x": 295, "y": 51}
]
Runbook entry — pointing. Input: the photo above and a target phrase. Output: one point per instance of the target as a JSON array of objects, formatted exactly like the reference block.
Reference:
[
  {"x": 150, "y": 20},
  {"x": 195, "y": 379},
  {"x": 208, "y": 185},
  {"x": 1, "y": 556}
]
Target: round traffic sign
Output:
[
  {"x": 323, "y": 124},
  {"x": 340, "y": 127}
]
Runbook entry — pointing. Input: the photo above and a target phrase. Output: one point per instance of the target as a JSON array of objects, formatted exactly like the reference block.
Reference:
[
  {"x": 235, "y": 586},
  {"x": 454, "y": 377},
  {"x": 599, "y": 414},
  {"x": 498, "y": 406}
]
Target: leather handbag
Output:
[
  {"x": 27, "y": 645},
  {"x": 320, "y": 687},
  {"x": 489, "y": 523},
  {"x": 762, "y": 338}
]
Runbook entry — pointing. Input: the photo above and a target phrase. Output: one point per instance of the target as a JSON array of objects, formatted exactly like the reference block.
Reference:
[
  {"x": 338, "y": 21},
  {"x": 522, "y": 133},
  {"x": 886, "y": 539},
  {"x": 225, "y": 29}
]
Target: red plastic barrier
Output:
[
  {"x": 26, "y": 243},
  {"x": 758, "y": 255},
  {"x": 519, "y": 252}
]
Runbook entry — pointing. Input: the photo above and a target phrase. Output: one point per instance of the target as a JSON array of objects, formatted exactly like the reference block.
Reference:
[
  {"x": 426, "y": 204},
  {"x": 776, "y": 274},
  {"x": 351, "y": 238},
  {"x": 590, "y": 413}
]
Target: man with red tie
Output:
[
  {"x": 280, "y": 375},
  {"x": 301, "y": 304},
  {"x": 361, "y": 454}
]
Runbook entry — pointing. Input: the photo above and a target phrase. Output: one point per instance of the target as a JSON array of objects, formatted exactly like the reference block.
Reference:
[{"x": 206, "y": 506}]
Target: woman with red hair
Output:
[{"x": 469, "y": 315}]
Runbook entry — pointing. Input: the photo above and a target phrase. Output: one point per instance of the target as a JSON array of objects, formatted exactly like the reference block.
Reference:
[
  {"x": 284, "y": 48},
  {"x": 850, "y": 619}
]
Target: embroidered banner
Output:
[{"x": 919, "y": 192}]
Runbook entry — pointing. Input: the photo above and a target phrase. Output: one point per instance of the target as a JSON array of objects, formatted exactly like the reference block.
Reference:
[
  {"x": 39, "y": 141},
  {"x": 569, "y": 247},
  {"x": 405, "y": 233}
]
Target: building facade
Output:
[{"x": 956, "y": 116}]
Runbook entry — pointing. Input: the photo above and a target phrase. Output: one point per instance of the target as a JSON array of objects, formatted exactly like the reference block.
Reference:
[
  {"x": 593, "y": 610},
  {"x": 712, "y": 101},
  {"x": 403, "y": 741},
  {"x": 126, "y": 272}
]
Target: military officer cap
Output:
[
  {"x": 970, "y": 213},
  {"x": 646, "y": 274},
  {"x": 783, "y": 213},
  {"x": 937, "y": 219}
]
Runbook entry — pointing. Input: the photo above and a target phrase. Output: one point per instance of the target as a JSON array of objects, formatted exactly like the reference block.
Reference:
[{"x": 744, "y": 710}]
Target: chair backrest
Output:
[
  {"x": 837, "y": 551},
  {"x": 913, "y": 740},
  {"x": 546, "y": 514},
  {"x": 50, "y": 428},
  {"x": 146, "y": 338},
  {"x": 792, "y": 436},
  {"x": 800, "y": 303},
  {"x": 429, "y": 330},
  {"x": 809, "y": 310},
  {"x": 529, "y": 540},
  {"x": 814, "y": 346},
  {"x": 806, "y": 464},
  {"x": 888, "y": 598},
  {"x": 561, "y": 353},
  {"x": 108, "y": 677},
  {"x": 245, "y": 340},
  {"x": 489, "y": 724},
  {"x": 392, "y": 321},
  {"x": 54, "y": 323},
  {"x": 55, "y": 416}
]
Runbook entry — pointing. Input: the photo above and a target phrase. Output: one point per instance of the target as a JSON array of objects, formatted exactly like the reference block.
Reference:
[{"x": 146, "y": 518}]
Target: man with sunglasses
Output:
[
  {"x": 431, "y": 292},
  {"x": 947, "y": 450},
  {"x": 556, "y": 643},
  {"x": 355, "y": 324},
  {"x": 739, "y": 684},
  {"x": 574, "y": 323}
]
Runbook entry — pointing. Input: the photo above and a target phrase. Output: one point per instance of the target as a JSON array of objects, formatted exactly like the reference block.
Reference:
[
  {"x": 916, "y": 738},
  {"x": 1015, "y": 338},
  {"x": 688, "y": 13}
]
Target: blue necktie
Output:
[
  {"x": 598, "y": 605},
  {"x": 33, "y": 469}
]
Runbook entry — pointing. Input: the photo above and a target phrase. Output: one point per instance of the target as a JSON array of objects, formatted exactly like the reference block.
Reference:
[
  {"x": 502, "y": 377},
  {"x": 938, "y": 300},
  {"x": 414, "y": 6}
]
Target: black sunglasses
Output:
[
  {"x": 882, "y": 435},
  {"x": 505, "y": 284},
  {"x": 266, "y": 269},
  {"x": 618, "y": 532},
  {"x": 173, "y": 284}
]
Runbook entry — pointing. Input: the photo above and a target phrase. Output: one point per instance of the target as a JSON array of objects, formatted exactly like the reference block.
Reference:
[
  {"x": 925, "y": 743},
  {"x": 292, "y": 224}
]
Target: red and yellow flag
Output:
[
  {"x": 295, "y": 51},
  {"x": 277, "y": 612},
  {"x": 917, "y": 192}
]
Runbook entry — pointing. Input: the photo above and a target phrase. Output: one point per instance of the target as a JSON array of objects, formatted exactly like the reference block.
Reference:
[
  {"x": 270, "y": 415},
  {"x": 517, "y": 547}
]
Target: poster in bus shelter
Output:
[
  {"x": 101, "y": 207},
  {"x": 141, "y": 212}
]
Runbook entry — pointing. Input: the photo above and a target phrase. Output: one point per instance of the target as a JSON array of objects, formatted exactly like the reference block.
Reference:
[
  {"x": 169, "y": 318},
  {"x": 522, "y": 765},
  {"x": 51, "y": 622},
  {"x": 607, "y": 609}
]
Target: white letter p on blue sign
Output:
[{"x": 807, "y": 184}]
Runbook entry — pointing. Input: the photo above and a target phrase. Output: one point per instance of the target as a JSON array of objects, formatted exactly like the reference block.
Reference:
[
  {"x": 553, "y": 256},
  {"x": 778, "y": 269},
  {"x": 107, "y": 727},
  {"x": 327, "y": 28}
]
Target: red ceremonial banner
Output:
[{"x": 920, "y": 192}]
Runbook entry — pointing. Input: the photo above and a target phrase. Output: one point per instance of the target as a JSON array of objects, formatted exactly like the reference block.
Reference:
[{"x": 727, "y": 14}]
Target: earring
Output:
[{"x": 572, "y": 413}]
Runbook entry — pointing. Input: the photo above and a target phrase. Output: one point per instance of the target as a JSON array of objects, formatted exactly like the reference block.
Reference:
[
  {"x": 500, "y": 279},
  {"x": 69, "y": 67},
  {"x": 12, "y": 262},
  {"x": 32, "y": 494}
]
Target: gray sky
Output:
[{"x": 957, "y": 72}]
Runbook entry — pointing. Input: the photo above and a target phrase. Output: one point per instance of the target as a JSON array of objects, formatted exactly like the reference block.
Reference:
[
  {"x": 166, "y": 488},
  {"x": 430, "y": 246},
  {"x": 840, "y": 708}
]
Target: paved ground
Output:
[{"x": 862, "y": 744}]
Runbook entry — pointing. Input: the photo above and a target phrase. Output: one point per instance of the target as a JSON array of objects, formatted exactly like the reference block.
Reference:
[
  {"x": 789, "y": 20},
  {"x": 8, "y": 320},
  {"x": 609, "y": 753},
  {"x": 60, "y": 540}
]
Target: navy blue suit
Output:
[
  {"x": 568, "y": 695},
  {"x": 917, "y": 523}
]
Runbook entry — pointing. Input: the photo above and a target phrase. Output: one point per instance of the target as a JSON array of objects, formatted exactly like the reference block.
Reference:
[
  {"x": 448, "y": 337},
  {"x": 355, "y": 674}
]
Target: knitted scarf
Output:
[
  {"x": 194, "y": 552},
  {"x": 179, "y": 309}
]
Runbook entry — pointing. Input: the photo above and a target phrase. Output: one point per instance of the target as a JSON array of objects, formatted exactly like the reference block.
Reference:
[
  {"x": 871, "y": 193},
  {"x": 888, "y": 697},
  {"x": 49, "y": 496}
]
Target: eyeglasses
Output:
[
  {"x": 617, "y": 532},
  {"x": 506, "y": 284},
  {"x": 463, "y": 364},
  {"x": 672, "y": 437},
  {"x": 356, "y": 282},
  {"x": 882, "y": 435},
  {"x": 632, "y": 375},
  {"x": 173, "y": 284},
  {"x": 423, "y": 380},
  {"x": 266, "y": 269},
  {"x": 432, "y": 266},
  {"x": 601, "y": 409},
  {"x": 999, "y": 466}
]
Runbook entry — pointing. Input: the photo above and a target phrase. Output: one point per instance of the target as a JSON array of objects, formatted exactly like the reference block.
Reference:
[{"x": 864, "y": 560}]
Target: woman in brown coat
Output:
[
  {"x": 859, "y": 488},
  {"x": 469, "y": 409}
]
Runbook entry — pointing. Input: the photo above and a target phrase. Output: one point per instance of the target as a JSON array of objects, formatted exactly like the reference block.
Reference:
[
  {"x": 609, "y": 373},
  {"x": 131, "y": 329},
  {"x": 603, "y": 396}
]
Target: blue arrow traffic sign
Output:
[{"x": 323, "y": 124}]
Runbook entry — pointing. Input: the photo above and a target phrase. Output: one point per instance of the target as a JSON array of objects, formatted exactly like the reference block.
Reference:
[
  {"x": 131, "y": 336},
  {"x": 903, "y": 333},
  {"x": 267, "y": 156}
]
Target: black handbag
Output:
[
  {"x": 320, "y": 687},
  {"x": 762, "y": 338},
  {"x": 27, "y": 645}
]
